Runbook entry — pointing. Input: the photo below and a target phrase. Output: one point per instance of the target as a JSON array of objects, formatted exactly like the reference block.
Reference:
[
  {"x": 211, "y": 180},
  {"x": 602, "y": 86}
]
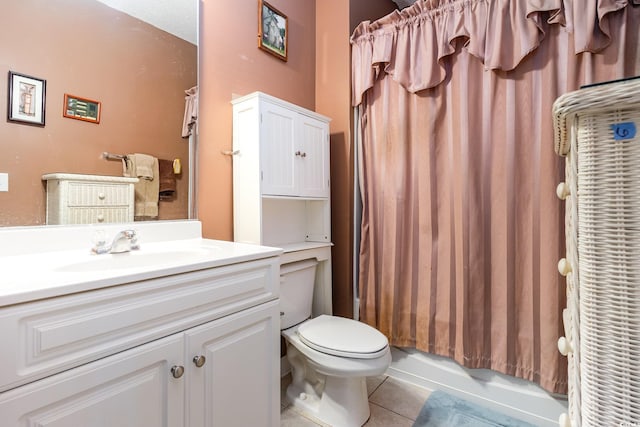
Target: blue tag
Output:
[{"x": 625, "y": 130}]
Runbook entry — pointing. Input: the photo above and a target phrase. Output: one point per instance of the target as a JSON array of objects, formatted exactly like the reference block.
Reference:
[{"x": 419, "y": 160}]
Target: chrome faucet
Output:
[{"x": 124, "y": 241}]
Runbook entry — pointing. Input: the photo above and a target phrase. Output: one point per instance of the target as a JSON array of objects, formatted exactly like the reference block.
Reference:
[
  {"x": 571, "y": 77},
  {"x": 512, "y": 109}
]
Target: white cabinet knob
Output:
[
  {"x": 562, "y": 190},
  {"x": 564, "y": 267},
  {"x": 100, "y": 217},
  {"x": 101, "y": 196},
  {"x": 564, "y": 346},
  {"x": 563, "y": 420}
]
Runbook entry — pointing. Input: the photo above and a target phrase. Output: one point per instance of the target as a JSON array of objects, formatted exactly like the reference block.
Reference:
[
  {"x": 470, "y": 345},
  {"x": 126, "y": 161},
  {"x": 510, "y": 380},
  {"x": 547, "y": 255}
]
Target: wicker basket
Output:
[{"x": 595, "y": 129}]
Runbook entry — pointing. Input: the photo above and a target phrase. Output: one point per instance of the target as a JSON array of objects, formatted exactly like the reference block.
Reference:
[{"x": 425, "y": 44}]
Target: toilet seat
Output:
[{"x": 354, "y": 339}]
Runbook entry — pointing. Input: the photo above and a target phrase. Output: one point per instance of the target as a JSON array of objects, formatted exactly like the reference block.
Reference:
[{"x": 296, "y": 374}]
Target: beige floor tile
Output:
[
  {"x": 400, "y": 397},
  {"x": 374, "y": 382},
  {"x": 393, "y": 403},
  {"x": 381, "y": 417},
  {"x": 289, "y": 417}
]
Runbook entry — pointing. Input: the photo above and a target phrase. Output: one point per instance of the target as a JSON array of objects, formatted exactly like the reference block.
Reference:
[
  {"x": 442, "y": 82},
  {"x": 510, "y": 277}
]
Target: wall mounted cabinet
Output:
[
  {"x": 281, "y": 182},
  {"x": 294, "y": 150}
]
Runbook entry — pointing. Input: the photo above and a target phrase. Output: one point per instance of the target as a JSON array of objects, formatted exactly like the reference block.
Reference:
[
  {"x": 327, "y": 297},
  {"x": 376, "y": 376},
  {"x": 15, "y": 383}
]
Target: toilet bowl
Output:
[{"x": 330, "y": 356}]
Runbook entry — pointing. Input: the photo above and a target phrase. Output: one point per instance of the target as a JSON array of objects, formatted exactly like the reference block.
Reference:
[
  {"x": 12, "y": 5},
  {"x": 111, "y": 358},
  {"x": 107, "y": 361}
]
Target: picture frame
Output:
[
  {"x": 79, "y": 108},
  {"x": 26, "y": 99},
  {"x": 273, "y": 30}
]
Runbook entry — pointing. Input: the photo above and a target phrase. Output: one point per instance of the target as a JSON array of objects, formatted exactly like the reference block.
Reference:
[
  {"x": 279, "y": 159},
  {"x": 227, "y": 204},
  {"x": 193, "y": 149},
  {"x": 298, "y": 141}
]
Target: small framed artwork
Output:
[
  {"x": 26, "y": 99},
  {"x": 273, "y": 32},
  {"x": 81, "y": 108}
]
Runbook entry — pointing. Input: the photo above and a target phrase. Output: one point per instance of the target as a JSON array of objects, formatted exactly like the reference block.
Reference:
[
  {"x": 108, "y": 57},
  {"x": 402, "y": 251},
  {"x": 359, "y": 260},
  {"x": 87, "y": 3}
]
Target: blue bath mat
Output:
[{"x": 444, "y": 410}]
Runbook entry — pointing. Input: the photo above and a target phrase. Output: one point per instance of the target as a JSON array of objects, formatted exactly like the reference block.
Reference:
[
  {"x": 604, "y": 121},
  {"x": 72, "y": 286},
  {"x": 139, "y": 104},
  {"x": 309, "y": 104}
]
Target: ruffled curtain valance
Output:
[{"x": 413, "y": 45}]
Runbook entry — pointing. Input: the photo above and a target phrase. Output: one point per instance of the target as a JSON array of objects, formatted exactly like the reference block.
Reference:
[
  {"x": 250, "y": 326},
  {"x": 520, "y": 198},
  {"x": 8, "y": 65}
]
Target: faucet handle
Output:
[
  {"x": 99, "y": 242},
  {"x": 132, "y": 235}
]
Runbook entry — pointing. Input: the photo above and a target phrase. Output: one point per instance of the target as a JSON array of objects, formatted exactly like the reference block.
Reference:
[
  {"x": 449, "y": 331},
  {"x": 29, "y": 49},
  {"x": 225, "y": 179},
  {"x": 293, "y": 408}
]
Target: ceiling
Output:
[{"x": 178, "y": 17}]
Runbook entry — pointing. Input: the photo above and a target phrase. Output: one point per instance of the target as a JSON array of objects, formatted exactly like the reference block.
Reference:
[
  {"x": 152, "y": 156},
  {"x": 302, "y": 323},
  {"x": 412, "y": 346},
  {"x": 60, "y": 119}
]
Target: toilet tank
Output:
[{"x": 296, "y": 291}]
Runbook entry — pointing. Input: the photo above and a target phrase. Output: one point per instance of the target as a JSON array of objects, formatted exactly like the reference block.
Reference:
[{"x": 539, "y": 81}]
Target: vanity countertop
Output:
[{"x": 45, "y": 272}]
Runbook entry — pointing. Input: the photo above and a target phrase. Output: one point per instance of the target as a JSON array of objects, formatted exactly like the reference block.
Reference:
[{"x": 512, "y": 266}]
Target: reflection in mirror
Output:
[{"x": 138, "y": 73}]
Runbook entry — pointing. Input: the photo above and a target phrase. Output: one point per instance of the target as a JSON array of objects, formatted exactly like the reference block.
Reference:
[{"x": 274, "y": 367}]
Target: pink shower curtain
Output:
[{"x": 461, "y": 228}]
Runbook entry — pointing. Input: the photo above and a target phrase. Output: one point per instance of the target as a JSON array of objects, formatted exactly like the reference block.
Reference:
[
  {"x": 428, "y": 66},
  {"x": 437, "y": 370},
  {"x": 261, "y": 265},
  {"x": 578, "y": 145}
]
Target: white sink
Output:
[
  {"x": 38, "y": 263},
  {"x": 139, "y": 259}
]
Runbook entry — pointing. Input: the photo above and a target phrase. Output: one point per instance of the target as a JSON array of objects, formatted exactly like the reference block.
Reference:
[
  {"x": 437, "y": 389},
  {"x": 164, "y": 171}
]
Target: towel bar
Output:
[{"x": 109, "y": 156}]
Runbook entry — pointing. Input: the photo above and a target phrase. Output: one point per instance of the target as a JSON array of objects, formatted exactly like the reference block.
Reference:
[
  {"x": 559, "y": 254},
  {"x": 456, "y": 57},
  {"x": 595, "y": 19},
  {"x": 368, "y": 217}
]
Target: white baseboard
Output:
[{"x": 509, "y": 395}]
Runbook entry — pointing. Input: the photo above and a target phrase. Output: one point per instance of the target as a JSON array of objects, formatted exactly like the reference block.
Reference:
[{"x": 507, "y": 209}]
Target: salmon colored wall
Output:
[
  {"x": 87, "y": 49},
  {"x": 335, "y": 20},
  {"x": 231, "y": 64},
  {"x": 333, "y": 100},
  {"x": 317, "y": 76}
]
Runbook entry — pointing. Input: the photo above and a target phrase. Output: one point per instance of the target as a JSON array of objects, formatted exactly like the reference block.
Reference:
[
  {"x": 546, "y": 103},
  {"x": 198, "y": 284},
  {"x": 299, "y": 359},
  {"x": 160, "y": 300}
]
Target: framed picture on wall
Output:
[
  {"x": 273, "y": 32},
  {"x": 26, "y": 99},
  {"x": 84, "y": 109}
]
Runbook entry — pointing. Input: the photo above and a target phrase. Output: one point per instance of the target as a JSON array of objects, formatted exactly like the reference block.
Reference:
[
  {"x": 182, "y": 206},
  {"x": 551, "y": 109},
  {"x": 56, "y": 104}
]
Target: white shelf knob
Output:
[
  {"x": 564, "y": 346},
  {"x": 564, "y": 267},
  {"x": 562, "y": 190},
  {"x": 564, "y": 420}
]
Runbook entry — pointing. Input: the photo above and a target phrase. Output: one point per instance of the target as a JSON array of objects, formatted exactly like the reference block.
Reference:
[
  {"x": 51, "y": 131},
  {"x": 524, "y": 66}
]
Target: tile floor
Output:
[{"x": 393, "y": 403}]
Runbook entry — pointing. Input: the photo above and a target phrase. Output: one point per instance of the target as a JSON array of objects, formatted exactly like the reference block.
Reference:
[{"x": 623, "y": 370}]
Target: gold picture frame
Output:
[{"x": 273, "y": 31}]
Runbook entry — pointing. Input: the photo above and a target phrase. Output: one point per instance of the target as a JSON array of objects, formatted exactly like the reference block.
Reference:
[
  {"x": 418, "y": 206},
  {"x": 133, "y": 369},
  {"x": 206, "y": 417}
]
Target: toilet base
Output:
[{"x": 342, "y": 403}]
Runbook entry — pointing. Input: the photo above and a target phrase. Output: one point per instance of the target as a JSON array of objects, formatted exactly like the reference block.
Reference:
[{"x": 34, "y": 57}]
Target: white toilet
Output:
[{"x": 330, "y": 356}]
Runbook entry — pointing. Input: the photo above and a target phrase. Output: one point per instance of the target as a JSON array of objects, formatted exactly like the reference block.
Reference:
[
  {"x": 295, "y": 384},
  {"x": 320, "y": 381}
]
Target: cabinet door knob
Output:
[
  {"x": 563, "y": 190},
  {"x": 199, "y": 361},
  {"x": 100, "y": 217},
  {"x": 297, "y": 153},
  {"x": 177, "y": 371},
  {"x": 564, "y": 267},
  {"x": 564, "y": 346},
  {"x": 303, "y": 155},
  {"x": 101, "y": 196}
]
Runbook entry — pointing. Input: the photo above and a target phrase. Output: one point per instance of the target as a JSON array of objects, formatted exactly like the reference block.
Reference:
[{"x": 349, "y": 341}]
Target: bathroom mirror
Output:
[{"x": 137, "y": 69}]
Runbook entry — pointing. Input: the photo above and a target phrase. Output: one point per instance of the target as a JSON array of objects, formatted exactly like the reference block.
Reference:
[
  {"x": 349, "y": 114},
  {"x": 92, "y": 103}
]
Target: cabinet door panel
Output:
[
  {"x": 130, "y": 389},
  {"x": 239, "y": 384},
  {"x": 314, "y": 165},
  {"x": 278, "y": 148},
  {"x": 45, "y": 337}
]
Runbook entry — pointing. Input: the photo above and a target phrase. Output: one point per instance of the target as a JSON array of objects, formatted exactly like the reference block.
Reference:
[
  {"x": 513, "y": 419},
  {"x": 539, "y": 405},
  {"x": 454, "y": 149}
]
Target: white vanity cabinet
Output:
[
  {"x": 191, "y": 349},
  {"x": 236, "y": 385},
  {"x": 89, "y": 199},
  {"x": 129, "y": 389},
  {"x": 281, "y": 183}
]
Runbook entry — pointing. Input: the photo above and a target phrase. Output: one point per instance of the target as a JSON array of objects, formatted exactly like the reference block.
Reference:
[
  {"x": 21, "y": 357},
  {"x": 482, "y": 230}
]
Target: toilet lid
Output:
[{"x": 343, "y": 337}]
